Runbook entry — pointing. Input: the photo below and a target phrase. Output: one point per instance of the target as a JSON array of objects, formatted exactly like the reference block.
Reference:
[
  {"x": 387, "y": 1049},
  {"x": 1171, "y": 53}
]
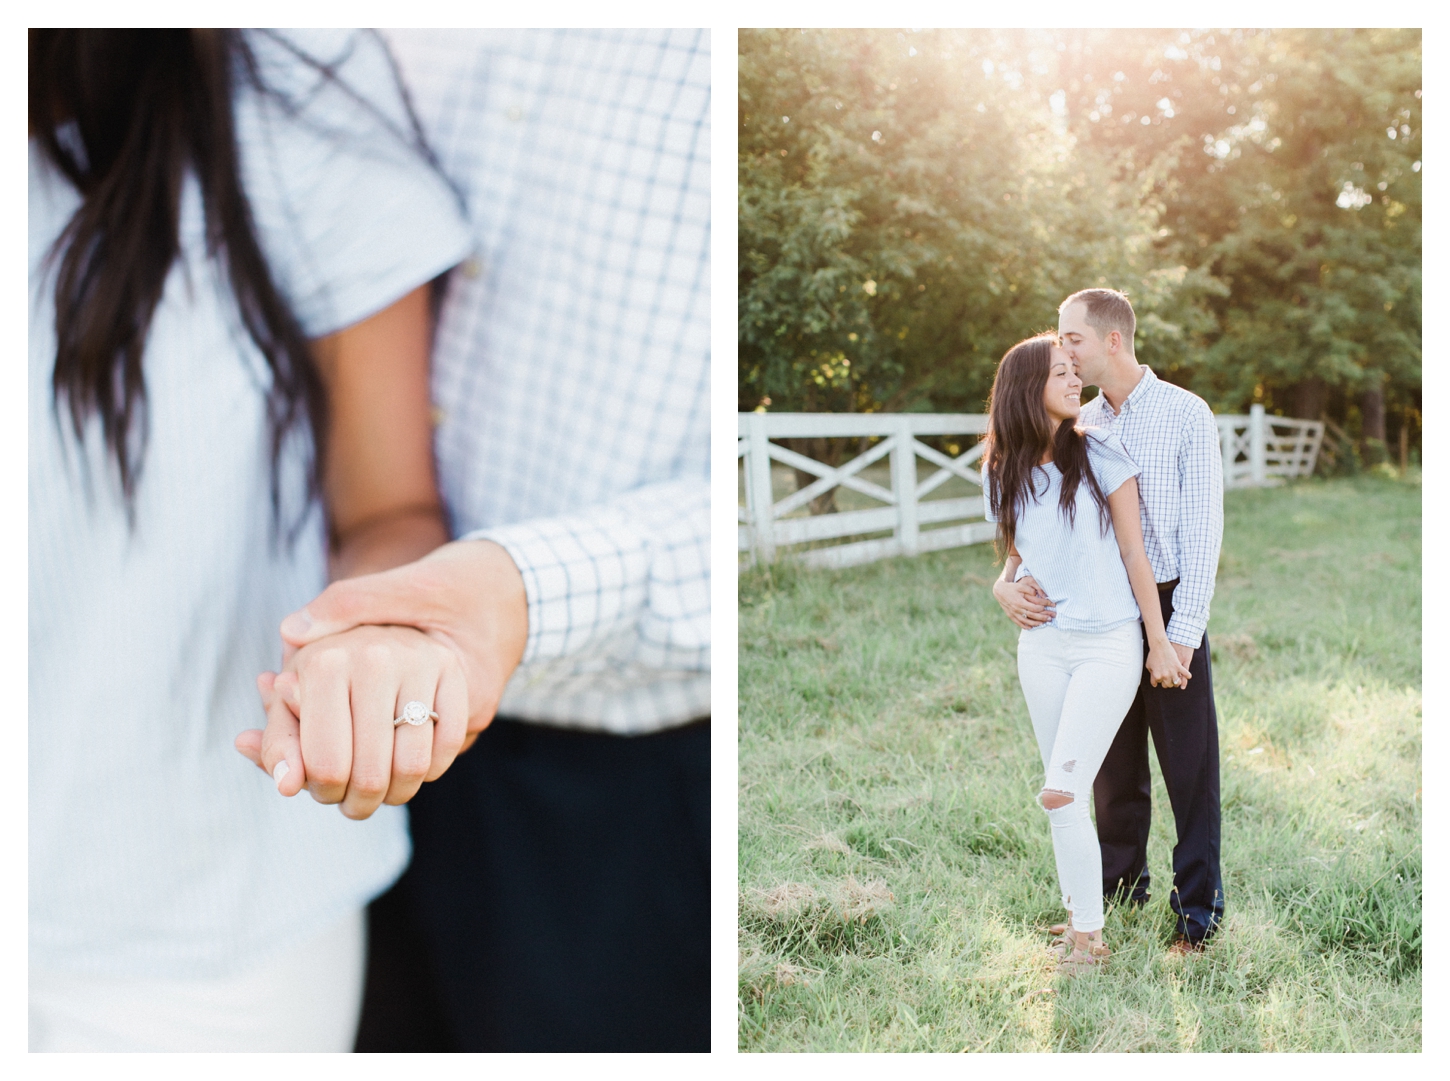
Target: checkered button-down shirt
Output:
[
  {"x": 571, "y": 364},
  {"x": 1173, "y": 437}
]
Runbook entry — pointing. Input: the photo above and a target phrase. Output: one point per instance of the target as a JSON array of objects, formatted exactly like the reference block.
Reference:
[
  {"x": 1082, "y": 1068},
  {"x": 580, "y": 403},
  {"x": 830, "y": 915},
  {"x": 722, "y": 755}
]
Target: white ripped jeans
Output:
[{"x": 1078, "y": 687}]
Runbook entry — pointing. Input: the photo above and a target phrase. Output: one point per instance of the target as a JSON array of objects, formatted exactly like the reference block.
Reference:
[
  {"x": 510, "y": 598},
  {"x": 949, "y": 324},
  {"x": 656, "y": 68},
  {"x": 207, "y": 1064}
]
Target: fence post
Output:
[
  {"x": 903, "y": 486},
  {"x": 1226, "y": 448},
  {"x": 1258, "y": 445},
  {"x": 759, "y": 493}
]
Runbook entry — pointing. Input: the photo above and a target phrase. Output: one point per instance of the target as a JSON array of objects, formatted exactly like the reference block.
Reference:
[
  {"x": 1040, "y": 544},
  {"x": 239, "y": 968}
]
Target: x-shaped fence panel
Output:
[
  {"x": 1259, "y": 449},
  {"x": 770, "y": 522}
]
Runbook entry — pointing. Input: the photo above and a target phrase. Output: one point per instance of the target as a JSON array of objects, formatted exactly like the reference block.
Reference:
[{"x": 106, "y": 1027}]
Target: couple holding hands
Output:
[
  {"x": 1110, "y": 519},
  {"x": 424, "y": 316}
]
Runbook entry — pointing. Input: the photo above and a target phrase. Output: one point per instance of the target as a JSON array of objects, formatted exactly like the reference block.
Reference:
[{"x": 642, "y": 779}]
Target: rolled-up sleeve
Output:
[
  {"x": 1200, "y": 525},
  {"x": 637, "y": 566}
]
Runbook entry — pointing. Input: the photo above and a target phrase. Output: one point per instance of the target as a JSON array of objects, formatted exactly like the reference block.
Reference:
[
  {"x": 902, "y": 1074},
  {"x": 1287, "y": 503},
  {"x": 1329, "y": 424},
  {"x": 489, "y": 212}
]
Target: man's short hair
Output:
[{"x": 1107, "y": 310}]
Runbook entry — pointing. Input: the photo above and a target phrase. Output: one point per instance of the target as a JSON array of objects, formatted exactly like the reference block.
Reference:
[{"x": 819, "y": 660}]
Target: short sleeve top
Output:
[
  {"x": 154, "y": 848},
  {"x": 1077, "y": 564}
]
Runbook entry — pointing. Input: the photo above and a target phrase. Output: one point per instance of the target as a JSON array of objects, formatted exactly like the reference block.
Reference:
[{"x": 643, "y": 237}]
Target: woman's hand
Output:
[
  {"x": 330, "y": 718},
  {"x": 1165, "y": 668}
]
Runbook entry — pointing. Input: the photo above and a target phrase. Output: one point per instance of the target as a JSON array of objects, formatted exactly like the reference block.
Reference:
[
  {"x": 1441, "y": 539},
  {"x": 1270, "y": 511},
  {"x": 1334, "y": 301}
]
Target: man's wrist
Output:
[
  {"x": 500, "y": 578},
  {"x": 1186, "y": 638}
]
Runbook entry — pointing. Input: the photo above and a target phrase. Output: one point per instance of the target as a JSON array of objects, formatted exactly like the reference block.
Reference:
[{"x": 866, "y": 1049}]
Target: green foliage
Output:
[
  {"x": 913, "y": 203},
  {"x": 896, "y": 877}
]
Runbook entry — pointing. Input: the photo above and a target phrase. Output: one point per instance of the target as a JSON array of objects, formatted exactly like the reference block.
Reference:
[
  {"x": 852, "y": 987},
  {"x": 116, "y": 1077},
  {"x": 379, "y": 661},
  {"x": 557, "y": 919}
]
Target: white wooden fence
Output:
[{"x": 1257, "y": 450}]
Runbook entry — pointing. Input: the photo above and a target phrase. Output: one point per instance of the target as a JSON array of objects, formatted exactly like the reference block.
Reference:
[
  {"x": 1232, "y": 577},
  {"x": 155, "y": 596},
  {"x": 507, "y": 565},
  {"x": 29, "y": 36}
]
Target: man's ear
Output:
[{"x": 1114, "y": 341}]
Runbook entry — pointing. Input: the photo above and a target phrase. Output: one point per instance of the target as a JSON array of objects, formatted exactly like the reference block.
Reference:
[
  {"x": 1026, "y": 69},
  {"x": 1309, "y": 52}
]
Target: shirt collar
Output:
[{"x": 1136, "y": 396}]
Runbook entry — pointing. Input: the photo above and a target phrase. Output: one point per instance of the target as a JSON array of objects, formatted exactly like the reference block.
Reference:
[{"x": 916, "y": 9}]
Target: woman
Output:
[
  {"x": 231, "y": 241},
  {"x": 1065, "y": 501}
]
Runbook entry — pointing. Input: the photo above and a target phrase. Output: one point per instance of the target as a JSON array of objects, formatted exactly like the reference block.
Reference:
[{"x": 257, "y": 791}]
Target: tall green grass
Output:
[{"x": 896, "y": 877}]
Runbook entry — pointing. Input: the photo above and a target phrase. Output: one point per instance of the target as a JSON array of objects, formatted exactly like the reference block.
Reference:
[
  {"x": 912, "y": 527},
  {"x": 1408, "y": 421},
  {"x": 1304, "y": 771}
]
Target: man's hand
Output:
[
  {"x": 1185, "y": 658},
  {"x": 1025, "y": 604},
  {"x": 467, "y": 597}
]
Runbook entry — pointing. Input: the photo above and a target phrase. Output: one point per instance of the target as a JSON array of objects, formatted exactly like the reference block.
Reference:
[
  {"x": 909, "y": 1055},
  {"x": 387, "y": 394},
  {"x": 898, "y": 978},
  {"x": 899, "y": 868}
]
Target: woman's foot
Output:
[
  {"x": 1087, "y": 951},
  {"x": 1061, "y": 944}
]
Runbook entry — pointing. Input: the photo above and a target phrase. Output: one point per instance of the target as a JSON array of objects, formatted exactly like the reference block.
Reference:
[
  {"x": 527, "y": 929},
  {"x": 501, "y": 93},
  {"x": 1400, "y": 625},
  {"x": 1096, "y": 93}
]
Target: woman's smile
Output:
[{"x": 1062, "y": 396}]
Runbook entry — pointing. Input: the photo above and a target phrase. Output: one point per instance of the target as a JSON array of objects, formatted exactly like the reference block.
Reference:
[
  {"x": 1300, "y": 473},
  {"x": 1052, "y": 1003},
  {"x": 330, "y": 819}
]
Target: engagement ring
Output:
[{"x": 415, "y": 713}]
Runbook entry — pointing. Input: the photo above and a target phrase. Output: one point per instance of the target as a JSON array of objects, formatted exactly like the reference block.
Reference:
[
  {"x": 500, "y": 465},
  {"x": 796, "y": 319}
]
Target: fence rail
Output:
[{"x": 1257, "y": 450}]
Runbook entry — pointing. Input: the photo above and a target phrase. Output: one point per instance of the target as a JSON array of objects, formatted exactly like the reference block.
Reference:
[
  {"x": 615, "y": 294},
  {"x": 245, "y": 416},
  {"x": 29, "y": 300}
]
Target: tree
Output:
[{"x": 911, "y": 204}]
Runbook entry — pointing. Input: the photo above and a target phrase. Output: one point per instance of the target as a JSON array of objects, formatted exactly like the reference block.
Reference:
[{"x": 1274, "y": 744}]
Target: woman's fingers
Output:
[
  {"x": 249, "y": 743},
  {"x": 1162, "y": 672},
  {"x": 1184, "y": 675},
  {"x": 281, "y": 746},
  {"x": 1175, "y": 675},
  {"x": 352, "y": 686},
  {"x": 377, "y": 672},
  {"x": 286, "y": 686},
  {"x": 451, "y": 729},
  {"x": 425, "y": 752},
  {"x": 412, "y": 748},
  {"x": 412, "y": 754},
  {"x": 412, "y": 744},
  {"x": 326, "y": 720}
]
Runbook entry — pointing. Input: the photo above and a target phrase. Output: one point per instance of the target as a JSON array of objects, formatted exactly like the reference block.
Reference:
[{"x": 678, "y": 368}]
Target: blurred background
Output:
[{"x": 913, "y": 202}]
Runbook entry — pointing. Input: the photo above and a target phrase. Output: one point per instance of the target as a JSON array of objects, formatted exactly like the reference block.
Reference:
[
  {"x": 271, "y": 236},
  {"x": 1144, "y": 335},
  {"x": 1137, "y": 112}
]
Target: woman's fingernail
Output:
[
  {"x": 280, "y": 771},
  {"x": 297, "y": 624}
]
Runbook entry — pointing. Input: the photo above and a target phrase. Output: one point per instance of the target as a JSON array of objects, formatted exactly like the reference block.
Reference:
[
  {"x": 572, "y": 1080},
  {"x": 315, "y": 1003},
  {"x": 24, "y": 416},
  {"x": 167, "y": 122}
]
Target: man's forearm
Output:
[{"x": 1200, "y": 533}]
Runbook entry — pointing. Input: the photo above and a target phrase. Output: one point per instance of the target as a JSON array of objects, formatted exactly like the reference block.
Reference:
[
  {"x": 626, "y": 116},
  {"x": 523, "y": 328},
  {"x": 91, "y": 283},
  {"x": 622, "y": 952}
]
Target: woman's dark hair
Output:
[
  {"x": 126, "y": 115},
  {"x": 1019, "y": 432}
]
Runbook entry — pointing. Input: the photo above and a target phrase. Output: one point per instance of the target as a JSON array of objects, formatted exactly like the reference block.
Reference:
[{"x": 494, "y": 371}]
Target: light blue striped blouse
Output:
[
  {"x": 1079, "y": 565},
  {"x": 155, "y": 849}
]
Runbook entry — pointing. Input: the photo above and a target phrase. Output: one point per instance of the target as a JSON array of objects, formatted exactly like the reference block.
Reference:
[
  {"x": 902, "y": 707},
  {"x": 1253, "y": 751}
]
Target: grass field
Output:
[{"x": 896, "y": 877}]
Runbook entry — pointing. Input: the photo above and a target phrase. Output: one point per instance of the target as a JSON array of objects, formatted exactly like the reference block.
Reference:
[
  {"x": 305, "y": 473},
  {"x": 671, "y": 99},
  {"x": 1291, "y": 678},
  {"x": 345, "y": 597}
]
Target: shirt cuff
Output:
[
  {"x": 636, "y": 567},
  {"x": 1185, "y": 631},
  {"x": 584, "y": 577}
]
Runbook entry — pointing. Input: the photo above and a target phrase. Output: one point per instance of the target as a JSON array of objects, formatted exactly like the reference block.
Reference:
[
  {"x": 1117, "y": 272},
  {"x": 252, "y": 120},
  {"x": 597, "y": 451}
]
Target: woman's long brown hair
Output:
[
  {"x": 126, "y": 115},
  {"x": 1019, "y": 432}
]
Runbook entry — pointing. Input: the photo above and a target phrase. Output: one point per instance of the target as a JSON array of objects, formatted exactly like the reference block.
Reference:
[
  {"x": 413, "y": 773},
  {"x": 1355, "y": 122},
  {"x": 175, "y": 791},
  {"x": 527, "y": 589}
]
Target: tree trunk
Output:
[
  {"x": 1372, "y": 410},
  {"x": 1306, "y": 398}
]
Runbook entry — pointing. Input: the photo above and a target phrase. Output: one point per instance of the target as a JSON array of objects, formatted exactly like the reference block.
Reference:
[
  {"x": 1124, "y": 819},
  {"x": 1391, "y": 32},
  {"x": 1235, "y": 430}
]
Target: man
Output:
[
  {"x": 1171, "y": 435},
  {"x": 559, "y": 891}
]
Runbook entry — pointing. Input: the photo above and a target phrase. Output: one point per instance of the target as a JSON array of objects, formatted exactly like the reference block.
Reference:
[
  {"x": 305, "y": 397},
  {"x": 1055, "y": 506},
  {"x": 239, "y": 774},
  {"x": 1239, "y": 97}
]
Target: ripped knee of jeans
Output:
[{"x": 1052, "y": 798}]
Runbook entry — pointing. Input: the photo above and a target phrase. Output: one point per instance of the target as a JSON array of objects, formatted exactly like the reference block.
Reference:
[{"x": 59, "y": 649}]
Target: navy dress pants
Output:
[
  {"x": 1184, "y": 727},
  {"x": 558, "y": 900}
]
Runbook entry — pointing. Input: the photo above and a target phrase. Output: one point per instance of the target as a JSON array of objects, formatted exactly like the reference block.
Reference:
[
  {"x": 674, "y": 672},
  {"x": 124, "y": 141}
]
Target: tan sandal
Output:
[
  {"x": 1080, "y": 959},
  {"x": 1061, "y": 944}
]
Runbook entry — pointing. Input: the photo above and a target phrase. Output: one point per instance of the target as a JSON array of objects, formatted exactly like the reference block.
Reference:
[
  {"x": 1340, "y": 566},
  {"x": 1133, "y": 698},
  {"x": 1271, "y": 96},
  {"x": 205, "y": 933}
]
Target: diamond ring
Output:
[{"x": 415, "y": 713}]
